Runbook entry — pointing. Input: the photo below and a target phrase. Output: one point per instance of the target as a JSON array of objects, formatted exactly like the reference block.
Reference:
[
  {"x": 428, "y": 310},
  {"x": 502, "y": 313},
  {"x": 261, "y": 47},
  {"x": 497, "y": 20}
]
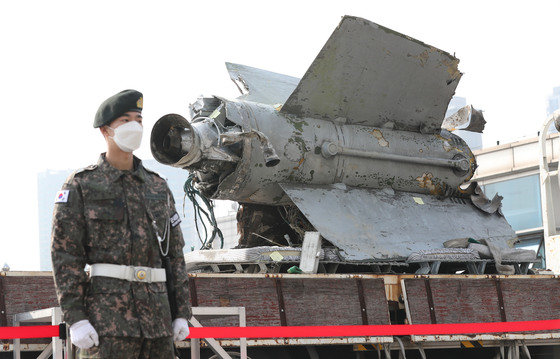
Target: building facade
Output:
[{"x": 512, "y": 171}]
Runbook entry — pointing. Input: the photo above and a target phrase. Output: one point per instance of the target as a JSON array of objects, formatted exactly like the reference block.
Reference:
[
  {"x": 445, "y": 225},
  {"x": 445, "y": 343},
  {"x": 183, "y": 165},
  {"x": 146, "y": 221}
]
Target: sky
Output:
[{"x": 60, "y": 59}]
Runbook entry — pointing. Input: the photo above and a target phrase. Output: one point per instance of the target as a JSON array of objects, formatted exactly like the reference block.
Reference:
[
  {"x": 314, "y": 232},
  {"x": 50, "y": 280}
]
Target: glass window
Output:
[
  {"x": 535, "y": 245},
  {"x": 522, "y": 201}
]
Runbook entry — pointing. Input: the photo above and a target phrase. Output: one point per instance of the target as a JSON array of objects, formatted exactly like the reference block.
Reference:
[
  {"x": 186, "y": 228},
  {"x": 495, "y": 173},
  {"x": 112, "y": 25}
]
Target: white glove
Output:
[
  {"x": 83, "y": 335},
  {"x": 180, "y": 329}
]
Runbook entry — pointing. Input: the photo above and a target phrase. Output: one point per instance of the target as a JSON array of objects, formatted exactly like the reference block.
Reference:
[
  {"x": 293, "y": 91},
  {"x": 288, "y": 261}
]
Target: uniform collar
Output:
[{"x": 114, "y": 174}]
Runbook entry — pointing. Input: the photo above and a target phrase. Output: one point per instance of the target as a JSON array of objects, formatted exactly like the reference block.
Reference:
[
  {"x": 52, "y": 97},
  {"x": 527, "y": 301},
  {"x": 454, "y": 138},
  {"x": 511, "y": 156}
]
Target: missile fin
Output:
[
  {"x": 261, "y": 86},
  {"x": 370, "y": 75},
  {"x": 383, "y": 224}
]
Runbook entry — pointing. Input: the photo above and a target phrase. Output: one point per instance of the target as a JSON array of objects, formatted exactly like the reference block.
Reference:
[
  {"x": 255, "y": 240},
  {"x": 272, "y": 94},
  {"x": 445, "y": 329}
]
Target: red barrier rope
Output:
[
  {"x": 372, "y": 330},
  {"x": 36, "y": 331},
  {"x": 44, "y": 331}
]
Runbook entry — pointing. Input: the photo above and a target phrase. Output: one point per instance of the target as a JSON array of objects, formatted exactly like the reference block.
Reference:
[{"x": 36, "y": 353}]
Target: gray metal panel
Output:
[
  {"x": 383, "y": 224},
  {"x": 372, "y": 75},
  {"x": 260, "y": 85}
]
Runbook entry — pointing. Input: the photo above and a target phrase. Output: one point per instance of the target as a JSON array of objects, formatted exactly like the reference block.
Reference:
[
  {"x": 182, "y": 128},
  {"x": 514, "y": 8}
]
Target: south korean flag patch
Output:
[
  {"x": 175, "y": 220},
  {"x": 61, "y": 196}
]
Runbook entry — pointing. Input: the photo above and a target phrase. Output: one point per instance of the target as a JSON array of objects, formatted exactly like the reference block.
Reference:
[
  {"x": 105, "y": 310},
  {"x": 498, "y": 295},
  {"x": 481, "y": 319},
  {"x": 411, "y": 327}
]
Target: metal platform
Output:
[
  {"x": 310, "y": 299},
  {"x": 455, "y": 299}
]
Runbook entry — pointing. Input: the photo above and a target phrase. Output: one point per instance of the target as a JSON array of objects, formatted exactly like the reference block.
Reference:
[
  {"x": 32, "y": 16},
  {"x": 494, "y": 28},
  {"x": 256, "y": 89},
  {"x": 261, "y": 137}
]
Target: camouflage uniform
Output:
[
  {"x": 126, "y": 348},
  {"x": 106, "y": 220}
]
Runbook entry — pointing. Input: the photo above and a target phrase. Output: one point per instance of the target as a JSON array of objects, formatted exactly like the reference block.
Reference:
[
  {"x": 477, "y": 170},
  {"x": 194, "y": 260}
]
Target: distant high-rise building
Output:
[
  {"x": 227, "y": 222},
  {"x": 553, "y": 101},
  {"x": 49, "y": 182},
  {"x": 553, "y": 105},
  {"x": 473, "y": 139}
]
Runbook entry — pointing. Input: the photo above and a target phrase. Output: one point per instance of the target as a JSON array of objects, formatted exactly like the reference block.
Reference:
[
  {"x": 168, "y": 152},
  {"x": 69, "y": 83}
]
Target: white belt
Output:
[{"x": 130, "y": 273}]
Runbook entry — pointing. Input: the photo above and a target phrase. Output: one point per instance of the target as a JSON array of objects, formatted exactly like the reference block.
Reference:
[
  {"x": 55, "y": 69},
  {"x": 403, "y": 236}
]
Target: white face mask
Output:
[{"x": 128, "y": 136}]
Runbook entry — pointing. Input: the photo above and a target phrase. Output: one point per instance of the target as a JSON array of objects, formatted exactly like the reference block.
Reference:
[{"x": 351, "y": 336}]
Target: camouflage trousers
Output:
[{"x": 129, "y": 348}]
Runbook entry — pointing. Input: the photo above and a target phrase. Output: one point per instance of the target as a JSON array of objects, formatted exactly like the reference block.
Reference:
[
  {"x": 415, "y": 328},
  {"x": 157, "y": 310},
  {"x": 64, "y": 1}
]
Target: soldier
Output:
[{"x": 119, "y": 218}]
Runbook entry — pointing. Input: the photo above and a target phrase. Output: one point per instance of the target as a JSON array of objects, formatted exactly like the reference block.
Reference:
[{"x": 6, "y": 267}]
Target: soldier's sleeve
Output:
[
  {"x": 176, "y": 244},
  {"x": 68, "y": 253}
]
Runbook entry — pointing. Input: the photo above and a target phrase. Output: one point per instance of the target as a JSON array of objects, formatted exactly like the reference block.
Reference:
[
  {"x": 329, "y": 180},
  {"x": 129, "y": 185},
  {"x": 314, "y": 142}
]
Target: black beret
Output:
[{"x": 116, "y": 106}]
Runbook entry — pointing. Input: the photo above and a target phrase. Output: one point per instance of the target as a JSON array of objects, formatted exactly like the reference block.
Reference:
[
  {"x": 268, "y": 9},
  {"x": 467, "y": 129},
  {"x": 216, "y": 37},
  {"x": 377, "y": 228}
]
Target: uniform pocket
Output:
[
  {"x": 105, "y": 222},
  {"x": 111, "y": 209},
  {"x": 158, "y": 287}
]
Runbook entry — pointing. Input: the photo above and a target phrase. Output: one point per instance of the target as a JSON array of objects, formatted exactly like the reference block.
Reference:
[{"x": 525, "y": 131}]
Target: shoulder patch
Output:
[{"x": 61, "y": 196}]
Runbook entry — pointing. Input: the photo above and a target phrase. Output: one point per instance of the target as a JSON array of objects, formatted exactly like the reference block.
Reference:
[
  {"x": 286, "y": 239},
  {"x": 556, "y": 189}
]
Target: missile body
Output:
[{"x": 230, "y": 163}]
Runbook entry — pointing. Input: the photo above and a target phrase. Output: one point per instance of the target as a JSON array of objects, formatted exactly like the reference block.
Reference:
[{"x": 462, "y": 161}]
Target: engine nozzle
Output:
[{"x": 174, "y": 141}]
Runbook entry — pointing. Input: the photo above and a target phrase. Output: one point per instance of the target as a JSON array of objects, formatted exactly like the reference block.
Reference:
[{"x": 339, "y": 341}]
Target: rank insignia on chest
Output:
[
  {"x": 61, "y": 196},
  {"x": 175, "y": 220}
]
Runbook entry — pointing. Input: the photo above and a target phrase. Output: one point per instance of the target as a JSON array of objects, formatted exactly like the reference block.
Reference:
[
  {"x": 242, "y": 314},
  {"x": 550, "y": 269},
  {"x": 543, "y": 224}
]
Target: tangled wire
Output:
[{"x": 202, "y": 215}]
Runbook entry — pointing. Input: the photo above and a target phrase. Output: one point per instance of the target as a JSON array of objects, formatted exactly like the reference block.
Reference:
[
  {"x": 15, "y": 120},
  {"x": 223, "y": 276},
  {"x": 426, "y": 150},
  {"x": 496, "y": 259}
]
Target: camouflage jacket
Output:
[{"x": 102, "y": 215}]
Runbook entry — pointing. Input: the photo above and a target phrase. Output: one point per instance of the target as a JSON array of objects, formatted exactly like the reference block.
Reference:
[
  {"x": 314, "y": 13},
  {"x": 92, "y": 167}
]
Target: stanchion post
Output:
[
  {"x": 195, "y": 348},
  {"x": 17, "y": 347},
  {"x": 242, "y": 341},
  {"x": 64, "y": 335},
  {"x": 56, "y": 319}
]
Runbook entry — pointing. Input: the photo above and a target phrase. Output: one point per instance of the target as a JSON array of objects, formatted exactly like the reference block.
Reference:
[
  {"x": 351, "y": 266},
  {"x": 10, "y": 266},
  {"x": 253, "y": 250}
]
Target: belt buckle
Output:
[{"x": 140, "y": 274}]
